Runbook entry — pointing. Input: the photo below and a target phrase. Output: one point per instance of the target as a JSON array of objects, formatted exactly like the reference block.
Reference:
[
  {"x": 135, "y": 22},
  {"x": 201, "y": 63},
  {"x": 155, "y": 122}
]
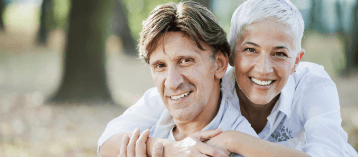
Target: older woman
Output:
[{"x": 289, "y": 104}]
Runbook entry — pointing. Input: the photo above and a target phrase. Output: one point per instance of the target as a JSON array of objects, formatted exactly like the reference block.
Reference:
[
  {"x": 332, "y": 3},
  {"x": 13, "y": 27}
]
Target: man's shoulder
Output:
[
  {"x": 151, "y": 96},
  {"x": 151, "y": 92}
]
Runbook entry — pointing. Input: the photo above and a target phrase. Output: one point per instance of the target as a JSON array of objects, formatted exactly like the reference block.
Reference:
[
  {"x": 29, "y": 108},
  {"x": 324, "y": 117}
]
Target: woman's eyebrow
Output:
[
  {"x": 252, "y": 43},
  {"x": 281, "y": 47}
]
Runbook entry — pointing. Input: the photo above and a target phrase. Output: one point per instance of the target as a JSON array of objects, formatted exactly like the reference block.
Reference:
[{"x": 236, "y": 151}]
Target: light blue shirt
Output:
[{"x": 227, "y": 118}]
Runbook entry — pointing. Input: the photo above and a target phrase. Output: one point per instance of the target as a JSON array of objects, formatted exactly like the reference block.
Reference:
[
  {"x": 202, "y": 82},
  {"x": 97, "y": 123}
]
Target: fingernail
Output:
[
  {"x": 136, "y": 129},
  {"x": 146, "y": 130},
  {"x": 159, "y": 145}
]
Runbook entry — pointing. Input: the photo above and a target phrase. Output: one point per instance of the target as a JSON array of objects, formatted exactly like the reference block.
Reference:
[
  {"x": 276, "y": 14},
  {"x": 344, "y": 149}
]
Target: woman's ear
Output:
[
  {"x": 221, "y": 62},
  {"x": 297, "y": 60}
]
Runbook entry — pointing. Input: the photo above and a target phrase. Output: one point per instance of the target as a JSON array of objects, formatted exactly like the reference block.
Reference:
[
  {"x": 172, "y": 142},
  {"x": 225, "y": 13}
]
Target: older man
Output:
[{"x": 188, "y": 55}]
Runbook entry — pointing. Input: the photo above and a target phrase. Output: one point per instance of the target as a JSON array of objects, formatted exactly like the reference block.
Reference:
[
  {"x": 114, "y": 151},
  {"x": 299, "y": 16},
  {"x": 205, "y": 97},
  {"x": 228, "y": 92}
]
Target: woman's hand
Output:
[
  {"x": 221, "y": 141},
  {"x": 194, "y": 146},
  {"x": 247, "y": 145},
  {"x": 136, "y": 145}
]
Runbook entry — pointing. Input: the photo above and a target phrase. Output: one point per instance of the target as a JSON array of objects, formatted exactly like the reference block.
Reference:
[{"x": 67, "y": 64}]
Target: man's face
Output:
[
  {"x": 184, "y": 75},
  {"x": 264, "y": 58}
]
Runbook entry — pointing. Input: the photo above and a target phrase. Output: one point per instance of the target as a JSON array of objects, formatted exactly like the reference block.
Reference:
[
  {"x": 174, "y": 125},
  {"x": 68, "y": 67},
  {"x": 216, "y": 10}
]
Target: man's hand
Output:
[
  {"x": 194, "y": 146},
  {"x": 158, "y": 150},
  {"x": 134, "y": 146}
]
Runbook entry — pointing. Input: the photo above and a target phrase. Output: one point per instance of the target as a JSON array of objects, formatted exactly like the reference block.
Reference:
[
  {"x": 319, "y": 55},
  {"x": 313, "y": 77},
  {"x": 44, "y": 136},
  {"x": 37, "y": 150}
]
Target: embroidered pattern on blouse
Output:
[{"x": 282, "y": 133}]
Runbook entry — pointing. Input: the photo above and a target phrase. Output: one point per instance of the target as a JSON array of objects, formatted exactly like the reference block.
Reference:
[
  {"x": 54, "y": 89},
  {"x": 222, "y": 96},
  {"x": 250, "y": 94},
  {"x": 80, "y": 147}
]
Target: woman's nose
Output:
[{"x": 264, "y": 65}]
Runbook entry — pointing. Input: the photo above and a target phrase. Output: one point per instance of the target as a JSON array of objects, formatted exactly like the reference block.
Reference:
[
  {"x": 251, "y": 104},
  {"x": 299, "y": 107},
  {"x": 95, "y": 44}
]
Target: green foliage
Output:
[
  {"x": 138, "y": 10},
  {"x": 61, "y": 9}
]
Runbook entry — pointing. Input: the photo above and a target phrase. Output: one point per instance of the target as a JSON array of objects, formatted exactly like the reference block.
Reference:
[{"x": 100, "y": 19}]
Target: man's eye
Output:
[
  {"x": 280, "y": 54},
  {"x": 187, "y": 60},
  {"x": 250, "y": 50},
  {"x": 159, "y": 65}
]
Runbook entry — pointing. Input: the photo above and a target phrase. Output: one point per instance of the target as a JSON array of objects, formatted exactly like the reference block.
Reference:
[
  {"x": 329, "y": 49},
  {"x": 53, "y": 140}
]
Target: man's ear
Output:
[
  {"x": 221, "y": 64},
  {"x": 231, "y": 59},
  {"x": 297, "y": 60}
]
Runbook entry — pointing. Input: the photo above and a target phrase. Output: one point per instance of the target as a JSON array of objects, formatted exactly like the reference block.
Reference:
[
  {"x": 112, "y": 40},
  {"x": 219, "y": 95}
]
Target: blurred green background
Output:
[{"x": 68, "y": 67}]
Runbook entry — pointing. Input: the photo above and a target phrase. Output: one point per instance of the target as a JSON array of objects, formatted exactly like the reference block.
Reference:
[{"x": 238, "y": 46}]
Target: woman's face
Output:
[{"x": 264, "y": 57}]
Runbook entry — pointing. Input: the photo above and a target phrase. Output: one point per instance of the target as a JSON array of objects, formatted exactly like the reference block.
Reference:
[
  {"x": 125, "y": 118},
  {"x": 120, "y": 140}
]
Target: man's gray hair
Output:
[{"x": 252, "y": 11}]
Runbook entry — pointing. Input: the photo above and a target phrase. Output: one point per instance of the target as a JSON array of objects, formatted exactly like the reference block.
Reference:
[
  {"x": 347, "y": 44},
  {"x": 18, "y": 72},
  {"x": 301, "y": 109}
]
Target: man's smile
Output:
[{"x": 176, "y": 97}]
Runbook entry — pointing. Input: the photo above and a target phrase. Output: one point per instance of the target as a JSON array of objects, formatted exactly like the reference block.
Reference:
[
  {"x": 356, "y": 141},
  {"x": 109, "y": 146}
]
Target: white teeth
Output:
[
  {"x": 262, "y": 83},
  {"x": 179, "y": 96}
]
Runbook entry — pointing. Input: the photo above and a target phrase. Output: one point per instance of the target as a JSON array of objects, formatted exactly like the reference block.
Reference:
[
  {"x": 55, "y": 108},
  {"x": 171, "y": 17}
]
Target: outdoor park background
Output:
[{"x": 40, "y": 115}]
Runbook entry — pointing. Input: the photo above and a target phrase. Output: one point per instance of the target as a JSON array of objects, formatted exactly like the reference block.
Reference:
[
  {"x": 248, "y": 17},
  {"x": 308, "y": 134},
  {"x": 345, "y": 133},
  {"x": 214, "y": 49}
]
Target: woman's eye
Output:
[
  {"x": 281, "y": 54},
  {"x": 250, "y": 50}
]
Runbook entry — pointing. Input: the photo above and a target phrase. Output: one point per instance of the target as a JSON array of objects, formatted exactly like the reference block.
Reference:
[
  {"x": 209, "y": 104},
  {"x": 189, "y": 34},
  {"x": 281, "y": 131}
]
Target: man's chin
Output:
[{"x": 182, "y": 119}]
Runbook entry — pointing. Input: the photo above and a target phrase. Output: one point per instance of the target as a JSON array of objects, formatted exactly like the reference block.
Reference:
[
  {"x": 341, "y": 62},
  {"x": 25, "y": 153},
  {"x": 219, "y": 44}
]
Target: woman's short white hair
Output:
[{"x": 257, "y": 10}]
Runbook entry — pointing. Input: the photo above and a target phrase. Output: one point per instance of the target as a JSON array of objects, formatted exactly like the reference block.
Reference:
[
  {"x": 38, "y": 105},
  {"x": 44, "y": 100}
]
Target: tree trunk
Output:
[
  {"x": 351, "y": 44},
  {"x": 355, "y": 36},
  {"x": 43, "y": 30},
  {"x": 122, "y": 30},
  {"x": 84, "y": 78},
  {"x": 2, "y": 8}
]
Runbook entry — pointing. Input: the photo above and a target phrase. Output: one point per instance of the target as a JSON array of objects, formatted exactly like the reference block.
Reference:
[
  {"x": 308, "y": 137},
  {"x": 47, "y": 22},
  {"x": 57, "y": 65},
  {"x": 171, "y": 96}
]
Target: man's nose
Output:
[
  {"x": 174, "y": 78},
  {"x": 264, "y": 64}
]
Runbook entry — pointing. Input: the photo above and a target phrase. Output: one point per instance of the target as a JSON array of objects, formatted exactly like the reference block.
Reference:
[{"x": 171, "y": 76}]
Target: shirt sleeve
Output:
[
  {"x": 143, "y": 115},
  {"x": 320, "y": 116}
]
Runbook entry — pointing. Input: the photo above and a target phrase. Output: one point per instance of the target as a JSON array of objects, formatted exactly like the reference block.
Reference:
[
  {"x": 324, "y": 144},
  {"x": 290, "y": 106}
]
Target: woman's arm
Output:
[
  {"x": 247, "y": 145},
  {"x": 320, "y": 116}
]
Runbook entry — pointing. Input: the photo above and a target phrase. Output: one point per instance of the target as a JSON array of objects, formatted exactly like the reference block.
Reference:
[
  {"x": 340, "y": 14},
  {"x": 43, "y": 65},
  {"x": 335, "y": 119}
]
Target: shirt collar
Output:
[
  {"x": 217, "y": 119},
  {"x": 166, "y": 122},
  {"x": 228, "y": 83},
  {"x": 285, "y": 101}
]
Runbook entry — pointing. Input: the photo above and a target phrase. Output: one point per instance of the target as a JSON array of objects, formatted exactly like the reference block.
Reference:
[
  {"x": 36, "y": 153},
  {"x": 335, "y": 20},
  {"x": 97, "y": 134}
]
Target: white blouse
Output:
[{"x": 307, "y": 114}]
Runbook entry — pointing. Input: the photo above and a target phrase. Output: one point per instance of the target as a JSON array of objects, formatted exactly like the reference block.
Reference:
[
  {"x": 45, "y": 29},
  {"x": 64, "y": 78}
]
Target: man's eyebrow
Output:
[
  {"x": 185, "y": 56},
  {"x": 154, "y": 63}
]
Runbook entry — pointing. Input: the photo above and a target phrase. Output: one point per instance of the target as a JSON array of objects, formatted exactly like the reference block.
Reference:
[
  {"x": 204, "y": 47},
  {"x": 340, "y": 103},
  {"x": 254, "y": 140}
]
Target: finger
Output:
[
  {"x": 123, "y": 149},
  {"x": 205, "y": 135},
  {"x": 211, "y": 151},
  {"x": 198, "y": 154},
  {"x": 158, "y": 149},
  {"x": 132, "y": 142},
  {"x": 141, "y": 147}
]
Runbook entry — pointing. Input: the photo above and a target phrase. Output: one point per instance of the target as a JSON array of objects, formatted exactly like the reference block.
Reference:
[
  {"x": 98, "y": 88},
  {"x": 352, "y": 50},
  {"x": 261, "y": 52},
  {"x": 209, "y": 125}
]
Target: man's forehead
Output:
[{"x": 177, "y": 41}]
